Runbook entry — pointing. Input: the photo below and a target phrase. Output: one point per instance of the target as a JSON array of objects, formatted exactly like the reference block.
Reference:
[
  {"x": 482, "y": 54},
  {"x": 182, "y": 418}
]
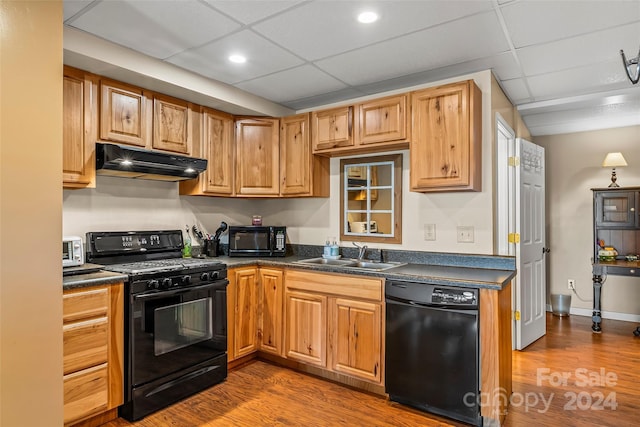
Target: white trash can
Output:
[{"x": 560, "y": 304}]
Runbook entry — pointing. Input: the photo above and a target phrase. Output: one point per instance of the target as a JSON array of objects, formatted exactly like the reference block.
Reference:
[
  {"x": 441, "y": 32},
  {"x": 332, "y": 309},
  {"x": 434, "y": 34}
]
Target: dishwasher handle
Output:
[{"x": 435, "y": 306}]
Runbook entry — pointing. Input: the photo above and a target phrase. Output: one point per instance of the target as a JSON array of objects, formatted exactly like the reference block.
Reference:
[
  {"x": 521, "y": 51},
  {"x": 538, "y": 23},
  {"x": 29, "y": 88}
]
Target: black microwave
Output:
[{"x": 257, "y": 241}]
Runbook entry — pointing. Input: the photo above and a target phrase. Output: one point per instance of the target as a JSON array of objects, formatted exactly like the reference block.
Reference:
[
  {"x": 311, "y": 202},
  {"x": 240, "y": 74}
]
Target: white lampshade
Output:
[{"x": 614, "y": 160}]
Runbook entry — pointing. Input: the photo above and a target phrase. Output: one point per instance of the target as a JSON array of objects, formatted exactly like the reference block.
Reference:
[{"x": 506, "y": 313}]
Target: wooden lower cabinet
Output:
[
  {"x": 355, "y": 337},
  {"x": 270, "y": 330},
  {"x": 306, "y": 330},
  {"x": 334, "y": 321},
  {"x": 242, "y": 312},
  {"x": 93, "y": 351}
]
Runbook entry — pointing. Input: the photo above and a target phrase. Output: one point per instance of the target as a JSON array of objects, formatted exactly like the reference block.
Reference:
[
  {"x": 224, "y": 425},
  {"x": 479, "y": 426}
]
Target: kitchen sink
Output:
[
  {"x": 325, "y": 261},
  {"x": 349, "y": 263}
]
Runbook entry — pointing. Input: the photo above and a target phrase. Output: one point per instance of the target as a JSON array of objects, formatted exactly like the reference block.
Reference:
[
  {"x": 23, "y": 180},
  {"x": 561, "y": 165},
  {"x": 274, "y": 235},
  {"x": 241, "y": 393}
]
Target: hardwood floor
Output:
[{"x": 263, "y": 394}]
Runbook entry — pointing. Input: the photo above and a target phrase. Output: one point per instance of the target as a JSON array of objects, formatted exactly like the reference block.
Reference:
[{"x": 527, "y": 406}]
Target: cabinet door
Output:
[
  {"x": 446, "y": 140},
  {"x": 306, "y": 320},
  {"x": 295, "y": 156},
  {"x": 124, "y": 116},
  {"x": 246, "y": 308},
  {"x": 217, "y": 148},
  {"x": 301, "y": 172},
  {"x": 383, "y": 120},
  {"x": 332, "y": 128},
  {"x": 86, "y": 393},
  {"x": 355, "y": 338},
  {"x": 172, "y": 124},
  {"x": 79, "y": 128},
  {"x": 270, "y": 323},
  {"x": 615, "y": 209},
  {"x": 257, "y": 157}
]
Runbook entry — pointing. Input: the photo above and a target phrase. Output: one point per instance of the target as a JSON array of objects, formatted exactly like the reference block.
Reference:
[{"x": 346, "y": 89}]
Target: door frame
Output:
[{"x": 506, "y": 203}]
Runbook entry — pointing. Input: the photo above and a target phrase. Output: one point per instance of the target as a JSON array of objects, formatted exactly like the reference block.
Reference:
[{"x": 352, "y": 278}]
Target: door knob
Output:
[{"x": 546, "y": 250}]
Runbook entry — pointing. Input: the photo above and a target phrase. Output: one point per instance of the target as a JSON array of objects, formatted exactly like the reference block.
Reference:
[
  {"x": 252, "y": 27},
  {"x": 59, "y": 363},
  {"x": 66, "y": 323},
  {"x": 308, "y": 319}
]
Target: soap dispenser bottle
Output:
[
  {"x": 326, "y": 253},
  {"x": 335, "y": 249},
  {"x": 186, "y": 249}
]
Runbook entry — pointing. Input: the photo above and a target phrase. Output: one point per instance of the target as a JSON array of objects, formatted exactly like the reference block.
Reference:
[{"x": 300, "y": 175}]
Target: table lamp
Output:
[{"x": 614, "y": 160}]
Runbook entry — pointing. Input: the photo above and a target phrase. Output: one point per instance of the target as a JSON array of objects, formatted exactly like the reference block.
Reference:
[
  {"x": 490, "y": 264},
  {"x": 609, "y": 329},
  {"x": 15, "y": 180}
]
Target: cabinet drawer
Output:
[
  {"x": 85, "y": 304},
  {"x": 86, "y": 393},
  {"x": 335, "y": 284},
  {"x": 86, "y": 344},
  {"x": 624, "y": 271}
]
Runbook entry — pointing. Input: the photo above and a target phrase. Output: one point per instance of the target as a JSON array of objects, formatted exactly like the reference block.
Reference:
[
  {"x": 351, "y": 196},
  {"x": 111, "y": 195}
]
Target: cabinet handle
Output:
[{"x": 633, "y": 209}]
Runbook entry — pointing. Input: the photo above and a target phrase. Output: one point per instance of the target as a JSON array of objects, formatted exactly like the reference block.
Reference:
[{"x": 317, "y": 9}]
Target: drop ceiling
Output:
[{"x": 557, "y": 61}]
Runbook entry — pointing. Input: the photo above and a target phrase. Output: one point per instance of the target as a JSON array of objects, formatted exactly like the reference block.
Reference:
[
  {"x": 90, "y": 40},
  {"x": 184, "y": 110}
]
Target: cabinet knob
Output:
[
  {"x": 633, "y": 209},
  {"x": 632, "y": 271}
]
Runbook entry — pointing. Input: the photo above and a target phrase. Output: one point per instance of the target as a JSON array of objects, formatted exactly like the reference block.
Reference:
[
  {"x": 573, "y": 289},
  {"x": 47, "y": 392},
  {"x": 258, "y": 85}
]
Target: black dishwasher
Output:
[{"x": 432, "y": 356}]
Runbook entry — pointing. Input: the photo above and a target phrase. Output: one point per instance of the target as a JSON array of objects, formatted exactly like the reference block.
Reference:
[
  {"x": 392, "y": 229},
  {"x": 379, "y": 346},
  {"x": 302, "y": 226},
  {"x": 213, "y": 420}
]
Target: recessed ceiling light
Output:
[
  {"x": 238, "y": 59},
  {"x": 368, "y": 17}
]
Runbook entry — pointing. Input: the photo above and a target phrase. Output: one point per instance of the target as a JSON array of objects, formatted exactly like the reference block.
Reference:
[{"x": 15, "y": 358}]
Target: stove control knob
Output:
[
  {"x": 215, "y": 275},
  {"x": 204, "y": 276},
  {"x": 153, "y": 284},
  {"x": 186, "y": 280},
  {"x": 166, "y": 283}
]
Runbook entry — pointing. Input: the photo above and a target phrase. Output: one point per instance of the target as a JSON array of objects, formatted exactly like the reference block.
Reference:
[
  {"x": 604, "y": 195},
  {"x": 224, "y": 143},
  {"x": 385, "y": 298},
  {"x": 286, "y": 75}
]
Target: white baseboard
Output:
[{"x": 605, "y": 314}]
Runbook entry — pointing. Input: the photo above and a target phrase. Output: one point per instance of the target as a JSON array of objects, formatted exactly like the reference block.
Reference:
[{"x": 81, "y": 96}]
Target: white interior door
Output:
[{"x": 530, "y": 218}]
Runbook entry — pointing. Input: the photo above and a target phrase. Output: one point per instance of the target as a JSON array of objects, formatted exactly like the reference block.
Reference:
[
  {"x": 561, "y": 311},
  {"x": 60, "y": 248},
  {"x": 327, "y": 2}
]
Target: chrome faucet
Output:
[{"x": 361, "y": 250}]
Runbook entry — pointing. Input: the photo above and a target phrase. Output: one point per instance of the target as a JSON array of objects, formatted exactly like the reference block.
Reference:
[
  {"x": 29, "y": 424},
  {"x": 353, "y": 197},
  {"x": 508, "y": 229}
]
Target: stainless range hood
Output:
[{"x": 132, "y": 162}]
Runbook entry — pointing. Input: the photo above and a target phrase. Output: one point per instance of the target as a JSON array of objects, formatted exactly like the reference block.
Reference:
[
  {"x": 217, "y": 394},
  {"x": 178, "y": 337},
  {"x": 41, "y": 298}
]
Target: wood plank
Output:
[{"x": 263, "y": 394}]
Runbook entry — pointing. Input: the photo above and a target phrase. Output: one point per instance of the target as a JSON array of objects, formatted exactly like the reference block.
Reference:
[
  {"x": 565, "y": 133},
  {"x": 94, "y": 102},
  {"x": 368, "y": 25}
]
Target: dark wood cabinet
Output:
[
  {"x": 616, "y": 208},
  {"x": 615, "y": 224}
]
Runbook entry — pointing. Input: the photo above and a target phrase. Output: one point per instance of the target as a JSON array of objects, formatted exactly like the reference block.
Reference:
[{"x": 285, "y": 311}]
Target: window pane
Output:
[
  {"x": 382, "y": 201},
  {"x": 382, "y": 223}
]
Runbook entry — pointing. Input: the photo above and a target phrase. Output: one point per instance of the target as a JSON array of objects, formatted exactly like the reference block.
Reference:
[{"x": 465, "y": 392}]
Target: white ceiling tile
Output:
[
  {"x": 156, "y": 28},
  {"x": 263, "y": 58},
  {"x": 602, "y": 77},
  {"x": 316, "y": 30},
  {"x": 461, "y": 41},
  {"x": 534, "y": 22},
  {"x": 324, "y": 100},
  {"x": 516, "y": 90},
  {"x": 71, "y": 7},
  {"x": 578, "y": 51},
  {"x": 292, "y": 84},
  {"x": 249, "y": 11}
]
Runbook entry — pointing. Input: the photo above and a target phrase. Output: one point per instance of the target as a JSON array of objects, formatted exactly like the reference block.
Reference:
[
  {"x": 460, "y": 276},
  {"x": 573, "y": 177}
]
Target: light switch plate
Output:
[
  {"x": 465, "y": 234},
  {"x": 429, "y": 232}
]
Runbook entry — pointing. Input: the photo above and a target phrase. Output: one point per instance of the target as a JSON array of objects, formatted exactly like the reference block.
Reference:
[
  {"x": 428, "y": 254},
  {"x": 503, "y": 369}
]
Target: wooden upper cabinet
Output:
[
  {"x": 377, "y": 125},
  {"x": 301, "y": 173},
  {"x": 257, "y": 157},
  {"x": 79, "y": 128},
  {"x": 216, "y": 145},
  {"x": 124, "y": 114},
  {"x": 383, "y": 120},
  {"x": 446, "y": 144},
  {"x": 332, "y": 128},
  {"x": 172, "y": 124}
]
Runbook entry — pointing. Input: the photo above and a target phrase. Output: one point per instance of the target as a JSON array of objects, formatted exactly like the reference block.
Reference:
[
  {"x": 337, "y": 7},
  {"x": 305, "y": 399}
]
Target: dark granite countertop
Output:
[
  {"x": 474, "y": 271},
  {"x": 473, "y": 276},
  {"x": 92, "y": 279}
]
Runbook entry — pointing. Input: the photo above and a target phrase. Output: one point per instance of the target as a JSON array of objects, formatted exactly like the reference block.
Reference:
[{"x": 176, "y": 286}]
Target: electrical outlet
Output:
[
  {"x": 571, "y": 284},
  {"x": 429, "y": 232},
  {"x": 465, "y": 234}
]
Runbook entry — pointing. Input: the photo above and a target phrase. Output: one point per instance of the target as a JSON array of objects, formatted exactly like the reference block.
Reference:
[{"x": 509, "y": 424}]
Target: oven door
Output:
[{"x": 175, "y": 329}]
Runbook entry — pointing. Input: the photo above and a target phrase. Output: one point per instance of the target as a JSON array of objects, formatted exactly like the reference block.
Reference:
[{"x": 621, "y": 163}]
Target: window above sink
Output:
[{"x": 371, "y": 199}]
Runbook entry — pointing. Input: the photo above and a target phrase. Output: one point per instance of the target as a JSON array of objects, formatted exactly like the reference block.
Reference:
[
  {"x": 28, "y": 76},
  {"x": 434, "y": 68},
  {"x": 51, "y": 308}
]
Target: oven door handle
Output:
[{"x": 162, "y": 294}]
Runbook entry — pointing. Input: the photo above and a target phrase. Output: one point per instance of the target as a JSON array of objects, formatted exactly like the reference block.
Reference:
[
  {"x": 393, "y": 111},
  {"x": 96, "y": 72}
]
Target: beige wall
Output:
[
  {"x": 573, "y": 168},
  {"x": 30, "y": 213}
]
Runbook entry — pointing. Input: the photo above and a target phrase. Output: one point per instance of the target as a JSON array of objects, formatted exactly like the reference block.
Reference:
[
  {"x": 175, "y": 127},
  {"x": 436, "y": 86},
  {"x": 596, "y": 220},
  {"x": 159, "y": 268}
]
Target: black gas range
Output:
[{"x": 175, "y": 317}]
